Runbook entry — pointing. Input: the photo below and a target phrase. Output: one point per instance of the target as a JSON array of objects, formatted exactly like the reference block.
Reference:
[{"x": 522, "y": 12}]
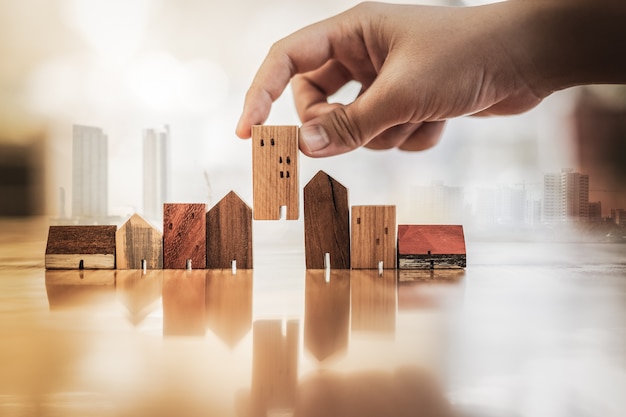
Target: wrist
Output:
[{"x": 572, "y": 42}]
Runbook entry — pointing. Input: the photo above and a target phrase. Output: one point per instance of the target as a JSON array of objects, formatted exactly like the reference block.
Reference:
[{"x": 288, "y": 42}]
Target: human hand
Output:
[{"x": 418, "y": 66}]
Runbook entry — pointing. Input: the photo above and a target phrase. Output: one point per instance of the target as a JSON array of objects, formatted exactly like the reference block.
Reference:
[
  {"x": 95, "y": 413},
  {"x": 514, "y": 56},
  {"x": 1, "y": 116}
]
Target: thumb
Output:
[{"x": 347, "y": 127}]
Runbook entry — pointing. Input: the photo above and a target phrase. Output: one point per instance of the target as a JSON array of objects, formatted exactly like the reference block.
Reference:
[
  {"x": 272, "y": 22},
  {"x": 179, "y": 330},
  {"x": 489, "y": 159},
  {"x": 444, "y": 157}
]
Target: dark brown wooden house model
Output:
[
  {"x": 229, "y": 233},
  {"x": 81, "y": 247},
  {"x": 184, "y": 235},
  {"x": 326, "y": 223},
  {"x": 431, "y": 246}
]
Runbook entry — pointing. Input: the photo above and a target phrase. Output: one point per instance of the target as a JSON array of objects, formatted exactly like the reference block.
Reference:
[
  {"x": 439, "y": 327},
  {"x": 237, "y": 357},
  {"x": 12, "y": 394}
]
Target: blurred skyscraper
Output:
[
  {"x": 501, "y": 205},
  {"x": 565, "y": 197},
  {"x": 89, "y": 173},
  {"x": 155, "y": 144},
  {"x": 438, "y": 203}
]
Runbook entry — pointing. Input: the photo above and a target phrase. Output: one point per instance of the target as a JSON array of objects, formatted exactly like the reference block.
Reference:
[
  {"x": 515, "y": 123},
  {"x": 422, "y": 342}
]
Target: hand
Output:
[{"x": 418, "y": 66}]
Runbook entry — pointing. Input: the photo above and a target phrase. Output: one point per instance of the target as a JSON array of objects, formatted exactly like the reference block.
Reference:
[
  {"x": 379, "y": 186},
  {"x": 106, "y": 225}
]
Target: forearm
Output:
[{"x": 573, "y": 42}]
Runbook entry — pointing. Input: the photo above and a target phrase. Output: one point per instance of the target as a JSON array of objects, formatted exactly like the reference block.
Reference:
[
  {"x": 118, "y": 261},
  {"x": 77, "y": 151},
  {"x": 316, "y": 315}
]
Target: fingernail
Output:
[{"x": 314, "y": 137}]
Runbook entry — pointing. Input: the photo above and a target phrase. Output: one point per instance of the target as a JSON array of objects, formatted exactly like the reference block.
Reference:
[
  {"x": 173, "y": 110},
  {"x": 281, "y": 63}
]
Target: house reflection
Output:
[
  {"x": 274, "y": 368},
  {"x": 326, "y": 312},
  {"x": 406, "y": 391},
  {"x": 228, "y": 304},
  {"x": 429, "y": 289},
  {"x": 139, "y": 292},
  {"x": 80, "y": 288},
  {"x": 184, "y": 302},
  {"x": 373, "y": 300}
]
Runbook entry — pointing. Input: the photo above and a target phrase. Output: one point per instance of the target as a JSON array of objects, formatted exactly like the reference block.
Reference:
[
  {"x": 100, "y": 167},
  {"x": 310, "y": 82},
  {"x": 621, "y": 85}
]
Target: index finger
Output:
[{"x": 303, "y": 51}]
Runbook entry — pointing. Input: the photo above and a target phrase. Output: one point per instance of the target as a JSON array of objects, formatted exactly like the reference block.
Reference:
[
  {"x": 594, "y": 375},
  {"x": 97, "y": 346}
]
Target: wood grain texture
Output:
[
  {"x": 326, "y": 223},
  {"x": 275, "y": 171},
  {"x": 431, "y": 246},
  {"x": 184, "y": 235},
  {"x": 373, "y": 237},
  {"x": 137, "y": 240},
  {"x": 229, "y": 233},
  {"x": 327, "y": 312},
  {"x": 69, "y": 245}
]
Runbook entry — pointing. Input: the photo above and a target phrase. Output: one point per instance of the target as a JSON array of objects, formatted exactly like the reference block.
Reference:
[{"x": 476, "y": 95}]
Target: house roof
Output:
[
  {"x": 67, "y": 240},
  {"x": 438, "y": 239},
  {"x": 136, "y": 221}
]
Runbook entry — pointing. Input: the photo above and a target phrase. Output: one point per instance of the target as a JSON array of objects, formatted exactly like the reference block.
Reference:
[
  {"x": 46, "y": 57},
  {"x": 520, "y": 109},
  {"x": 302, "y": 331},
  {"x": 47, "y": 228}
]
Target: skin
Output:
[{"x": 420, "y": 66}]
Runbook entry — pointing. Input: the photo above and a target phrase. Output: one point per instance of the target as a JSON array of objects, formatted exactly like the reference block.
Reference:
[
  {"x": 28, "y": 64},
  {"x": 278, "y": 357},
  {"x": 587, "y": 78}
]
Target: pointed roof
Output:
[
  {"x": 321, "y": 178},
  {"x": 137, "y": 221},
  {"x": 231, "y": 198},
  {"x": 438, "y": 239}
]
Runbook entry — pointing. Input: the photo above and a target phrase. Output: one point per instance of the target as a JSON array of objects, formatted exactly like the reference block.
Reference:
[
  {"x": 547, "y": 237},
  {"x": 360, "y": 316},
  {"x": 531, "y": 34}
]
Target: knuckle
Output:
[{"x": 347, "y": 128}]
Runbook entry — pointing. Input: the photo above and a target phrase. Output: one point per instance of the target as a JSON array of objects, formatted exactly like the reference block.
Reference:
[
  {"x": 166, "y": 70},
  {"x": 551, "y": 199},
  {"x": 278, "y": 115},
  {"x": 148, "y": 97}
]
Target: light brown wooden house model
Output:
[
  {"x": 136, "y": 241},
  {"x": 275, "y": 172},
  {"x": 373, "y": 237}
]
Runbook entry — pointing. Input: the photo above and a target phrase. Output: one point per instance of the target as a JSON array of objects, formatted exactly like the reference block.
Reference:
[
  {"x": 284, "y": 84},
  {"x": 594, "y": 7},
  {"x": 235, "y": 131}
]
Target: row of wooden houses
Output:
[{"x": 221, "y": 237}]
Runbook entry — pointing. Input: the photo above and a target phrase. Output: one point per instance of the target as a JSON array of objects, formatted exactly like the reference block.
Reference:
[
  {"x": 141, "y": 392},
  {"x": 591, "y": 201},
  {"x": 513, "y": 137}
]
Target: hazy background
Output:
[{"x": 129, "y": 65}]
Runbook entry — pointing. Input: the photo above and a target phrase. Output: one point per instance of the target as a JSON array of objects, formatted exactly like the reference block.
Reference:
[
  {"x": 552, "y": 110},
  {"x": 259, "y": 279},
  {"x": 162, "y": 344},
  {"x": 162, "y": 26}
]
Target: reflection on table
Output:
[{"x": 280, "y": 380}]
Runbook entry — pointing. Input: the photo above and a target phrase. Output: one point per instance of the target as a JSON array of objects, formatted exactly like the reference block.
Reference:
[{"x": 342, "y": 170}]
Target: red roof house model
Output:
[{"x": 431, "y": 246}]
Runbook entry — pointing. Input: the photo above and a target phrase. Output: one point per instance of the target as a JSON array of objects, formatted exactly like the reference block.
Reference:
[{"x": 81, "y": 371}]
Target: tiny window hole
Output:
[
  {"x": 287, "y": 174},
  {"x": 272, "y": 141},
  {"x": 170, "y": 226},
  {"x": 262, "y": 142},
  {"x": 386, "y": 230},
  {"x": 288, "y": 160},
  {"x": 282, "y": 174},
  {"x": 280, "y": 159},
  {"x": 358, "y": 220},
  {"x": 377, "y": 241}
]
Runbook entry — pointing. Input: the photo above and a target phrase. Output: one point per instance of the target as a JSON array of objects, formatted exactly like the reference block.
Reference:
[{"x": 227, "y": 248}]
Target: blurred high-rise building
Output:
[
  {"x": 595, "y": 211},
  {"x": 155, "y": 145},
  {"x": 438, "y": 203},
  {"x": 89, "y": 173},
  {"x": 565, "y": 197}
]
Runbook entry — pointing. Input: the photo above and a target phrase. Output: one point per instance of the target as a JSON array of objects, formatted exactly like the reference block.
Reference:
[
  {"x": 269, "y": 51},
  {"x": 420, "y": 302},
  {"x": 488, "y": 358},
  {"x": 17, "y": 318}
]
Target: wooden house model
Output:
[
  {"x": 431, "y": 246},
  {"x": 229, "y": 233},
  {"x": 137, "y": 241},
  {"x": 184, "y": 236},
  {"x": 326, "y": 223},
  {"x": 80, "y": 247},
  {"x": 373, "y": 237},
  {"x": 275, "y": 172}
]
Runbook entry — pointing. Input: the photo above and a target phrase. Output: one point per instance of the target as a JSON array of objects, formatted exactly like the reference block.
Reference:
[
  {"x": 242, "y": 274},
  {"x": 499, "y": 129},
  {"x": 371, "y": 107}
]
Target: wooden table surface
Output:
[{"x": 527, "y": 329}]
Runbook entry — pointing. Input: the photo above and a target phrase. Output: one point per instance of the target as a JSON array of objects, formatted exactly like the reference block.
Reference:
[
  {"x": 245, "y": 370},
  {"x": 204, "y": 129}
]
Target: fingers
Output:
[
  {"x": 311, "y": 90},
  {"x": 303, "y": 51},
  {"x": 344, "y": 128},
  {"x": 407, "y": 137},
  {"x": 425, "y": 137}
]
